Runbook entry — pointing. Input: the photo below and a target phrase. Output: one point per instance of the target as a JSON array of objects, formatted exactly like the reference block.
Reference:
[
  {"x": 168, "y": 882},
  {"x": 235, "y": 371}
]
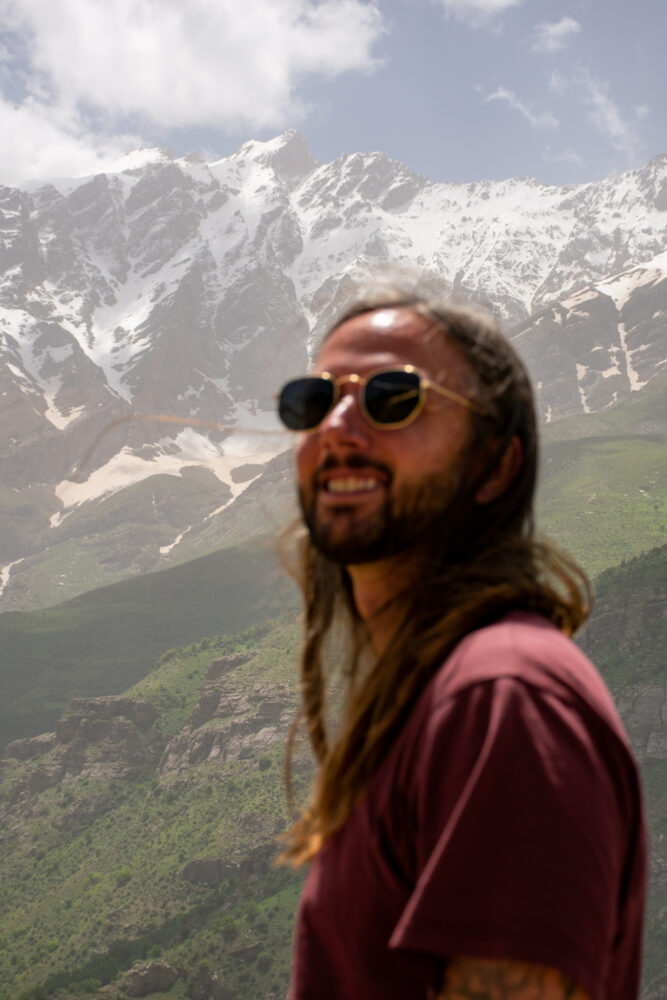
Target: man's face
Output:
[{"x": 367, "y": 493}]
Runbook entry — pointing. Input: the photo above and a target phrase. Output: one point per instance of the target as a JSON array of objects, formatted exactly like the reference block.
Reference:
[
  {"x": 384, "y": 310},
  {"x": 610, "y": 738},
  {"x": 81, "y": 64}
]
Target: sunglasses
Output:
[{"x": 388, "y": 398}]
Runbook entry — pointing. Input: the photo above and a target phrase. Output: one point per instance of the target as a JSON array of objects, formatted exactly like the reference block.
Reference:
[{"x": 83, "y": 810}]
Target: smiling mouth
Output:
[{"x": 351, "y": 484}]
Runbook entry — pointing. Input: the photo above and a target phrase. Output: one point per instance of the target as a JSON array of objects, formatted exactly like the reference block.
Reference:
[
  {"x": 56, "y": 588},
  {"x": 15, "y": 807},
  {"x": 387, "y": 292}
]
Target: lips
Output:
[
  {"x": 350, "y": 484},
  {"x": 345, "y": 481}
]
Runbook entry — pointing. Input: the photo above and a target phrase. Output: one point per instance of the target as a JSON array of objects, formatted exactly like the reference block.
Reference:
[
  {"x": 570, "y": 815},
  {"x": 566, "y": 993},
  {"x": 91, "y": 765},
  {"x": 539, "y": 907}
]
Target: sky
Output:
[{"x": 566, "y": 91}]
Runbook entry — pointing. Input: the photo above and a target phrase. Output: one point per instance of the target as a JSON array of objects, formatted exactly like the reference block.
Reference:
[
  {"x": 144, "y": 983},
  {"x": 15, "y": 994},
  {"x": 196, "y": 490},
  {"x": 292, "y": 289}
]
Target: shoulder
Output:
[
  {"x": 518, "y": 708},
  {"x": 513, "y": 692},
  {"x": 529, "y": 650}
]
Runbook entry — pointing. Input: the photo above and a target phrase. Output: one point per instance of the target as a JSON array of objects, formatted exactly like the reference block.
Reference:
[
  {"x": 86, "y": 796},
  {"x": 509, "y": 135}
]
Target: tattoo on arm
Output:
[{"x": 480, "y": 979}]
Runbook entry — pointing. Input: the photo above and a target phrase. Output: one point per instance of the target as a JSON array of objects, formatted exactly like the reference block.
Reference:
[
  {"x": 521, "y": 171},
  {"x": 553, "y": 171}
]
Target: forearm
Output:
[{"x": 480, "y": 979}]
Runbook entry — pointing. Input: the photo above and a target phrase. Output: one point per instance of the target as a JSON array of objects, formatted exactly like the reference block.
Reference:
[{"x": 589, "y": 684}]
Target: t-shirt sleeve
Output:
[{"x": 520, "y": 809}]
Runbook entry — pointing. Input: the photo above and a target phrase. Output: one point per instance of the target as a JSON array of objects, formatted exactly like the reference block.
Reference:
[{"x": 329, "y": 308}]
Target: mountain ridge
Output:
[{"x": 190, "y": 289}]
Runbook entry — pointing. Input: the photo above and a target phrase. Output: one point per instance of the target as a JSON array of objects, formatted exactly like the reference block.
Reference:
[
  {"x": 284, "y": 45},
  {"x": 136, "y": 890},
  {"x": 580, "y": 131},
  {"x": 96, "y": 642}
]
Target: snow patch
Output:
[
  {"x": 57, "y": 519},
  {"x": 188, "y": 448},
  {"x": 164, "y": 549},
  {"x": 574, "y": 301},
  {"x": 35, "y": 363},
  {"x": 57, "y": 417},
  {"x": 582, "y": 371},
  {"x": 620, "y": 287},
  {"x": 5, "y": 572},
  {"x": 16, "y": 371},
  {"x": 635, "y": 381}
]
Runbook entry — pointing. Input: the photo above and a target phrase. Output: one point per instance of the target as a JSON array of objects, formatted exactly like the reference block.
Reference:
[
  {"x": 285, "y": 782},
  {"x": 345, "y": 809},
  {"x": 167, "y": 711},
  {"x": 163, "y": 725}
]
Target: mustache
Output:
[{"x": 351, "y": 461}]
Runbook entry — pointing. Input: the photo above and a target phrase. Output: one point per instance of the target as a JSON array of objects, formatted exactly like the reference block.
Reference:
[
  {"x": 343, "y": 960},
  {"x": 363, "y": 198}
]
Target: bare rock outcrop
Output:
[
  {"x": 643, "y": 709},
  {"x": 138, "y": 711},
  {"x": 97, "y": 738},
  {"x": 149, "y": 977},
  {"x": 32, "y": 746},
  {"x": 254, "y": 863},
  {"x": 207, "y": 871},
  {"x": 208, "y": 988},
  {"x": 228, "y": 723}
]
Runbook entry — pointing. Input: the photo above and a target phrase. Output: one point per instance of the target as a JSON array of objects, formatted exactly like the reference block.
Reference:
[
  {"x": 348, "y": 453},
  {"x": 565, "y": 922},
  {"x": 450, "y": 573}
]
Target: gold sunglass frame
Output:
[{"x": 362, "y": 380}]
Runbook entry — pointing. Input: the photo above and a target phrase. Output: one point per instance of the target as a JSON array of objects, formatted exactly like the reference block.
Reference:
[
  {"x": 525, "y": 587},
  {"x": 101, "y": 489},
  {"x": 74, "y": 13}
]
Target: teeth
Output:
[{"x": 350, "y": 484}]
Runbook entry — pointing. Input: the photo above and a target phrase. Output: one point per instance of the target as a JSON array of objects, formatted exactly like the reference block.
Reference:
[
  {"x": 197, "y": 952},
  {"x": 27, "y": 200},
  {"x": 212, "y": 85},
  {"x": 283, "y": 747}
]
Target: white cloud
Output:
[
  {"x": 603, "y": 112},
  {"x": 558, "y": 83},
  {"x": 477, "y": 11},
  {"x": 607, "y": 117},
  {"x": 562, "y": 156},
  {"x": 543, "y": 120},
  {"x": 550, "y": 37},
  {"x": 46, "y": 142},
  {"x": 232, "y": 64}
]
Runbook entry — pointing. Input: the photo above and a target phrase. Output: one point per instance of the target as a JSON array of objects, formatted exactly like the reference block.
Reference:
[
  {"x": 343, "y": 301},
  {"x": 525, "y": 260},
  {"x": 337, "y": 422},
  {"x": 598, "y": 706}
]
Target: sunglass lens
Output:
[
  {"x": 392, "y": 397},
  {"x": 305, "y": 402}
]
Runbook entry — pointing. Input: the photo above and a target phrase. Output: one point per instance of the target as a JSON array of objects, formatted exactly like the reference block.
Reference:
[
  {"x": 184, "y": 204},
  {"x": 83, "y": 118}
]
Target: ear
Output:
[{"x": 506, "y": 469}]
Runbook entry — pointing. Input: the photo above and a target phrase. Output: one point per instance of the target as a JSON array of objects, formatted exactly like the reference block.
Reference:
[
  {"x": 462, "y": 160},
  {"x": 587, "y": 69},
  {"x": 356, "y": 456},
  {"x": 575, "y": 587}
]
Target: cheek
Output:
[
  {"x": 305, "y": 459},
  {"x": 432, "y": 453}
]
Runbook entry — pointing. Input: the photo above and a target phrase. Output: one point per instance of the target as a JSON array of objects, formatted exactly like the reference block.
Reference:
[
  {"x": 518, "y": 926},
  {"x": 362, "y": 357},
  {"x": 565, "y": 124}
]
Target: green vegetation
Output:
[
  {"x": 94, "y": 854},
  {"x": 91, "y": 868},
  {"x": 604, "y": 499},
  {"x": 602, "y": 496},
  {"x": 603, "y": 483},
  {"x": 628, "y": 633},
  {"x": 103, "y": 641},
  {"x": 642, "y": 573},
  {"x": 105, "y": 540},
  {"x": 626, "y": 639},
  {"x": 654, "y": 775}
]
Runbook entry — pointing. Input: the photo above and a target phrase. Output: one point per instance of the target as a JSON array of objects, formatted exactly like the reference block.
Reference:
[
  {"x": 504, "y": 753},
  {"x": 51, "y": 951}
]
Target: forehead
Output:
[{"x": 388, "y": 337}]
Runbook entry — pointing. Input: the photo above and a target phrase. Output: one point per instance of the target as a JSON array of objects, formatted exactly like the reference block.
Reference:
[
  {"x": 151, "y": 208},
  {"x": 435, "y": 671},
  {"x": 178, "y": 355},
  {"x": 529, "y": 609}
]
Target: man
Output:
[{"x": 475, "y": 826}]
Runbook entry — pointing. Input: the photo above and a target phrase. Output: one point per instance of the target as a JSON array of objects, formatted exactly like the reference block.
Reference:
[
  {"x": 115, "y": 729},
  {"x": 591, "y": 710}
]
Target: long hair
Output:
[{"x": 483, "y": 562}]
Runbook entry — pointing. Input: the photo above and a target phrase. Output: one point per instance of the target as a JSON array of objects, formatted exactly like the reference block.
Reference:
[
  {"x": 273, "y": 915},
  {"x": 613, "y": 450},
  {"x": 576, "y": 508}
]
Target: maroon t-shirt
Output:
[{"x": 506, "y": 822}]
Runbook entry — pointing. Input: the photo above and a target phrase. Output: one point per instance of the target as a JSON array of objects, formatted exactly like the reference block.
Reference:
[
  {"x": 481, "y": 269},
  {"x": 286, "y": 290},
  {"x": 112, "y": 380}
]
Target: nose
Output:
[{"x": 345, "y": 419}]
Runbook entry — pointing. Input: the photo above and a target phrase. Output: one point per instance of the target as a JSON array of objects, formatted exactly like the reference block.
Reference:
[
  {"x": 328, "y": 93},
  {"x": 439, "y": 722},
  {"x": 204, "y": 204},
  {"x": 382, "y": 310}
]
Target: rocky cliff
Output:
[{"x": 194, "y": 289}]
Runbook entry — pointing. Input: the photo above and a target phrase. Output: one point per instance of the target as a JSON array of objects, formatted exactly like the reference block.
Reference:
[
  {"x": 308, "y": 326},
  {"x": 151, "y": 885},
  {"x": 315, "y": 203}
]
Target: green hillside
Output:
[
  {"x": 154, "y": 842},
  {"x": 626, "y": 638},
  {"x": 603, "y": 482},
  {"x": 602, "y": 495},
  {"x": 92, "y": 867},
  {"x": 103, "y": 541},
  {"x": 103, "y": 641}
]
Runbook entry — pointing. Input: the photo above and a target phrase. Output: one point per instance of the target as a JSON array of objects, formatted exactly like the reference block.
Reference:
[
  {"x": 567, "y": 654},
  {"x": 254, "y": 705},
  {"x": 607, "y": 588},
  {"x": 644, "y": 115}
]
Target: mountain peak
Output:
[
  {"x": 139, "y": 158},
  {"x": 288, "y": 154}
]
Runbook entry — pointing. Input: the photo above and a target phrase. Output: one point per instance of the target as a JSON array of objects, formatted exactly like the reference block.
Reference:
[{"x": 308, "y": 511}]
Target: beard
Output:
[{"x": 411, "y": 517}]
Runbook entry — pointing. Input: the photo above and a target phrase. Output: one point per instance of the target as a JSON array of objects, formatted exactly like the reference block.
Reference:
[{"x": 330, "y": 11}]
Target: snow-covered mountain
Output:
[{"x": 193, "y": 289}]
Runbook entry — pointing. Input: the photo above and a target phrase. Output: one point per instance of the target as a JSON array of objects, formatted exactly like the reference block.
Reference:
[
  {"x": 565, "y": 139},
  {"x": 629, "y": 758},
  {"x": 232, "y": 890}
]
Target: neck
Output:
[{"x": 377, "y": 589}]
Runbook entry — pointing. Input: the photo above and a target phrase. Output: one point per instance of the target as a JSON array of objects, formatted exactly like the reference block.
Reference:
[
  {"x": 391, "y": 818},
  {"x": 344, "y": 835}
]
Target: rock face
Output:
[
  {"x": 209, "y": 988},
  {"x": 33, "y": 746},
  {"x": 592, "y": 349},
  {"x": 97, "y": 738},
  {"x": 149, "y": 977},
  {"x": 643, "y": 710},
  {"x": 228, "y": 723},
  {"x": 167, "y": 289},
  {"x": 628, "y": 625},
  {"x": 114, "y": 737},
  {"x": 140, "y": 712}
]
